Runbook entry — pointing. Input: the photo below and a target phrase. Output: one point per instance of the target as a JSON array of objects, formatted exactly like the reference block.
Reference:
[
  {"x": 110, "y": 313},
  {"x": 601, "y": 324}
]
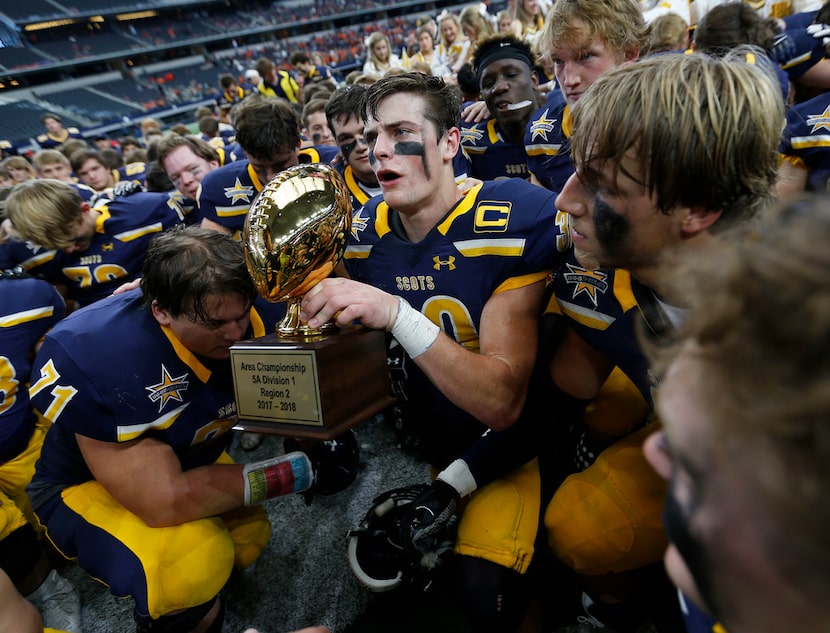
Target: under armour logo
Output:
[{"x": 438, "y": 262}]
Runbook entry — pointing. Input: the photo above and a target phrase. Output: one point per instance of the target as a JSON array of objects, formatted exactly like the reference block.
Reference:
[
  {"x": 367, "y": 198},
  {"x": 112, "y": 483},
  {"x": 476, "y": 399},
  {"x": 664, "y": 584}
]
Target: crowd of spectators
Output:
[{"x": 95, "y": 38}]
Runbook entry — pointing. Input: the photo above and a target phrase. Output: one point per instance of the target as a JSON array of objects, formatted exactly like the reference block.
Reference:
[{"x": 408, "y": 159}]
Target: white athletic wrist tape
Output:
[
  {"x": 413, "y": 330},
  {"x": 283, "y": 475},
  {"x": 458, "y": 476}
]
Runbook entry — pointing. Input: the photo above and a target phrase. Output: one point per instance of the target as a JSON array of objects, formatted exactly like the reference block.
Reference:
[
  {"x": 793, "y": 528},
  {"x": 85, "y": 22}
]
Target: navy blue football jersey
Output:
[
  {"x": 116, "y": 254},
  {"x": 132, "y": 172},
  {"x": 807, "y": 52},
  {"x": 48, "y": 141},
  {"x": 501, "y": 235},
  {"x": 806, "y": 140},
  {"x": 79, "y": 383},
  {"x": 226, "y": 194},
  {"x": 605, "y": 308},
  {"x": 359, "y": 192},
  {"x": 7, "y": 148},
  {"x": 547, "y": 143},
  {"x": 491, "y": 157},
  {"x": 28, "y": 308},
  {"x": 317, "y": 74}
]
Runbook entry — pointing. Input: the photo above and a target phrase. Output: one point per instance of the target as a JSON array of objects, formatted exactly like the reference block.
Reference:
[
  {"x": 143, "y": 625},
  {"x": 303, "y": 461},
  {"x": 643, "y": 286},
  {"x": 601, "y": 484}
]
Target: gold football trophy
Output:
[{"x": 301, "y": 381}]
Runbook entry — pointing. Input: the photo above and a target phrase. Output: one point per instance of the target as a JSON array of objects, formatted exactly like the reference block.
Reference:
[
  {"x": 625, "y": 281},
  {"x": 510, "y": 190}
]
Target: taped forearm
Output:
[
  {"x": 413, "y": 330},
  {"x": 276, "y": 477}
]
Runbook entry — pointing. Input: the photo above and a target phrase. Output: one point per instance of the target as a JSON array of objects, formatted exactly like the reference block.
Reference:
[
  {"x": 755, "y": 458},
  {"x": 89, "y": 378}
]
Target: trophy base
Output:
[{"x": 310, "y": 386}]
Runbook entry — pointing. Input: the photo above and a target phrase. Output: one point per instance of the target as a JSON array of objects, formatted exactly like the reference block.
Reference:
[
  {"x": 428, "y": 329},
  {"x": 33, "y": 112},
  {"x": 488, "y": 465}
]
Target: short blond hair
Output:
[
  {"x": 619, "y": 24},
  {"x": 18, "y": 162},
  {"x": 149, "y": 124},
  {"x": 45, "y": 157},
  {"x": 687, "y": 119},
  {"x": 669, "y": 32},
  {"x": 43, "y": 211}
]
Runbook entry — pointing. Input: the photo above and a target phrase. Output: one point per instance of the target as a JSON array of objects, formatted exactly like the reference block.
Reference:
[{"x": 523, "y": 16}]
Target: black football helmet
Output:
[
  {"x": 336, "y": 462},
  {"x": 378, "y": 554}
]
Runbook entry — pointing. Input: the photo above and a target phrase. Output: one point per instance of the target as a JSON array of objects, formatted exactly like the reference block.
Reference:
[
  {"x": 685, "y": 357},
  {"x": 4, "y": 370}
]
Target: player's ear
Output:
[
  {"x": 453, "y": 142},
  {"x": 699, "y": 219},
  {"x": 631, "y": 55},
  {"x": 160, "y": 314}
]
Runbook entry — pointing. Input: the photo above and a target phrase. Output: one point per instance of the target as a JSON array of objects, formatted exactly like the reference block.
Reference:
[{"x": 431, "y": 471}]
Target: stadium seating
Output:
[
  {"x": 168, "y": 32},
  {"x": 12, "y": 58},
  {"x": 21, "y": 120},
  {"x": 101, "y": 6},
  {"x": 336, "y": 28},
  {"x": 140, "y": 92},
  {"x": 91, "y": 104},
  {"x": 32, "y": 10},
  {"x": 92, "y": 45}
]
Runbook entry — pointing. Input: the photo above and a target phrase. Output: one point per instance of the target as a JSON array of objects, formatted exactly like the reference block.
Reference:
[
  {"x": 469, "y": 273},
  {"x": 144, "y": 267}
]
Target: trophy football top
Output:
[{"x": 296, "y": 230}]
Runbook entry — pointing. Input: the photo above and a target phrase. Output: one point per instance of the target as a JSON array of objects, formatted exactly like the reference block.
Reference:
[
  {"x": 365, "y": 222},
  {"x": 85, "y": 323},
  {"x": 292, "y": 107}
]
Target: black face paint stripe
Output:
[
  {"x": 410, "y": 148},
  {"x": 612, "y": 229},
  {"x": 406, "y": 148},
  {"x": 413, "y": 148},
  {"x": 347, "y": 148}
]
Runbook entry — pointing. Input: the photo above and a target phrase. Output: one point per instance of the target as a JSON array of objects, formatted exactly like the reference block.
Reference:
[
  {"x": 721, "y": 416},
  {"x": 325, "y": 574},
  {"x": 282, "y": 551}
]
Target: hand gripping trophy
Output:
[{"x": 302, "y": 381}]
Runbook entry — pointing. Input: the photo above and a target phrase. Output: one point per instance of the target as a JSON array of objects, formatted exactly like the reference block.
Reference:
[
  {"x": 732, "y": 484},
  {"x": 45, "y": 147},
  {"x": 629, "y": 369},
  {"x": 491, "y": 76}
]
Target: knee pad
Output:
[
  {"x": 618, "y": 408},
  {"x": 19, "y": 552},
  {"x": 608, "y": 518},
  {"x": 501, "y": 520},
  {"x": 184, "y": 621},
  {"x": 493, "y": 598}
]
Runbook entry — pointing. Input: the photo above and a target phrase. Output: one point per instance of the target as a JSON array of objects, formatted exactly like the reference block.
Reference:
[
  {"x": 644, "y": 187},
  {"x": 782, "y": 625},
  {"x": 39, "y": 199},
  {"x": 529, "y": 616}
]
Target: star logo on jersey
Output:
[
  {"x": 359, "y": 224},
  {"x": 35, "y": 249},
  {"x": 541, "y": 126},
  {"x": 169, "y": 388},
  {"x": 238, "y": 192},
  {"x": 178, "y": 203},
  {"x": 588, "y": 281},
  {"x": 820, "y": 121},
  {"x": 471, "y": 135},
  {"x": 175, "y": 198}
]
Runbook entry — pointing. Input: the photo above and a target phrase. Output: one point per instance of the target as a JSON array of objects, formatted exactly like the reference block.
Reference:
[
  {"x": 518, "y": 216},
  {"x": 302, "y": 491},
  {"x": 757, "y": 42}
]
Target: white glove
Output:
[{"x": 820, "y": 31}]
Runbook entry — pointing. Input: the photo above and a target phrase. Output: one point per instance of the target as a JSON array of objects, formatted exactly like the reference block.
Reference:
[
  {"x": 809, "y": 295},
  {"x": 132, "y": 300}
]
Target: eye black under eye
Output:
[{"x": 348, "y": 147}]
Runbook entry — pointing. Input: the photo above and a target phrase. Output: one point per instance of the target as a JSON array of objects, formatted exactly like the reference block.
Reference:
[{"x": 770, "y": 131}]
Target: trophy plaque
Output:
[{"x": 301, "y": 381}]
